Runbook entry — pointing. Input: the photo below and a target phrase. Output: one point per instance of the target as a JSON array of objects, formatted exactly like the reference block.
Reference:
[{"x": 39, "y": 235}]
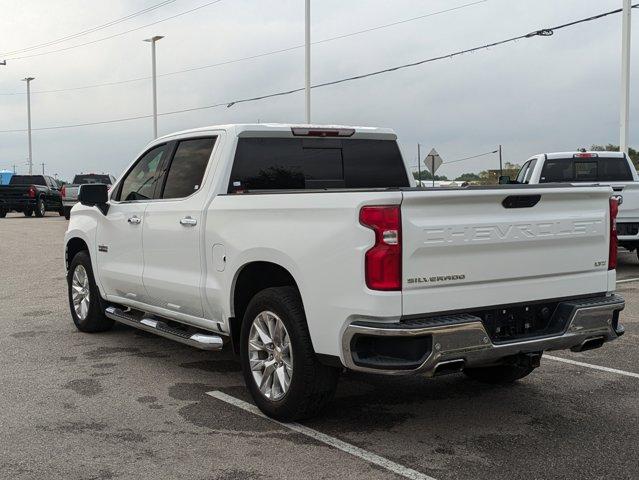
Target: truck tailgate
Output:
[
  {"x": 71, "y": 192},
  {"x": 472, "y": 248}
]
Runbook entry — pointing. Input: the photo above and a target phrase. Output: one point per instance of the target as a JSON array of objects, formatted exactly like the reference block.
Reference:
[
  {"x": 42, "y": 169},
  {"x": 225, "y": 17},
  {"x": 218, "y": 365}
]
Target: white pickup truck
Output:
[
  {"x": 310, "y": 250},
  {"x": 604, "y": 168}
]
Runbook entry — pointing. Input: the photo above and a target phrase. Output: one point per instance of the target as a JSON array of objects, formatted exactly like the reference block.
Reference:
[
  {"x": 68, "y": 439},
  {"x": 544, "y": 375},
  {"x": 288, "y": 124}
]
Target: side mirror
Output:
[
  {"x": 504, "y": 180},
  {"x": 94, "y": 195}
]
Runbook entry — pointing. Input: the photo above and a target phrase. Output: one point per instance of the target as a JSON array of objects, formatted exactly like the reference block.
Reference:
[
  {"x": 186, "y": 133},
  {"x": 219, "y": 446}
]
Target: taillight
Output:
[
  {"x": 383, "y": 261},
  {"x": 31, "y": 192},
  {"x": 612, "y": 252},
  {"x": 63, "y": 191}
]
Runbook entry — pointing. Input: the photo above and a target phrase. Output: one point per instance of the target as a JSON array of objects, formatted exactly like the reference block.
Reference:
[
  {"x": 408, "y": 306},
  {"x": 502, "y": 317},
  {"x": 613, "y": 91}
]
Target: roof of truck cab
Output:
[
  {"x": 557, "y": 155},
  {"x": 284, "y": 130}
]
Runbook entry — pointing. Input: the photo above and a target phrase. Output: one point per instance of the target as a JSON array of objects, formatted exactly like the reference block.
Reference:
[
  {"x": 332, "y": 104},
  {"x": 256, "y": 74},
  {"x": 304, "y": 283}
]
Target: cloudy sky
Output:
[{"x": 535, "y": 95}]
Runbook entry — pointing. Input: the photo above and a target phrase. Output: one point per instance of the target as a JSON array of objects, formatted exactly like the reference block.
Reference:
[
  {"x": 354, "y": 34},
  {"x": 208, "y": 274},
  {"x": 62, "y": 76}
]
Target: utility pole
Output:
[
  {"x": 28, "y": 80},
  {"x": 42, "y": 168},
  {"x": 419, "y": 165},
  {"x": 501, "y": 167},
  {"x": 154, "y": 75},
  {"x": 307, "y": 59},
  {"x": 625, "y": 77},
  {"x": 14, "y": 169}
]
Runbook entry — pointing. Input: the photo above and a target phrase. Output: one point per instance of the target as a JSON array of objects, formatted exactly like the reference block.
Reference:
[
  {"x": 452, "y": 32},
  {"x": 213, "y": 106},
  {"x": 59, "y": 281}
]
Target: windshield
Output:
[
  {"x": 588, "y": 169},
  {"x": 91, "y": 178},
  {"x": 27, "y": 180}
]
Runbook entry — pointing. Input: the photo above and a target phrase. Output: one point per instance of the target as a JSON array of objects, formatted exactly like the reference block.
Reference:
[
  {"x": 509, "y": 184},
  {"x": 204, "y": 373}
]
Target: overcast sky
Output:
[{"x": 535, "y": 95}]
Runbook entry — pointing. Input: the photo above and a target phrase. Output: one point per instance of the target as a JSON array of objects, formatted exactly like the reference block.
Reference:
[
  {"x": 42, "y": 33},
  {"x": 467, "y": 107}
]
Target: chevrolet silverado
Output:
[{"x": 309, "y": 250}]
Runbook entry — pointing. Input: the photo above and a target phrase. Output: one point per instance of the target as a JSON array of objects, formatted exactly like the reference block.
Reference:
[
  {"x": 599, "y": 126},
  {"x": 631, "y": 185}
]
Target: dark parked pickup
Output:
[{"x": 31, "y": 194}]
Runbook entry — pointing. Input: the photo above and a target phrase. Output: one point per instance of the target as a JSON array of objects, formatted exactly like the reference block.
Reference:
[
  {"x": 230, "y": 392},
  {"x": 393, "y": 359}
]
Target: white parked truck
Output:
[
  {"x": 70, "y": 191},
  {"x": 309, "y": 250},
  {"x": 613, "y": 169}
]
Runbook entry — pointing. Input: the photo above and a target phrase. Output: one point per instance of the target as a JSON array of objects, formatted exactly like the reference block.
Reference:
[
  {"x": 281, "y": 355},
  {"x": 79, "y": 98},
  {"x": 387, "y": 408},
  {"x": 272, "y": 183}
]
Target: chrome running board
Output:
[{"x": 154, "y": 325}]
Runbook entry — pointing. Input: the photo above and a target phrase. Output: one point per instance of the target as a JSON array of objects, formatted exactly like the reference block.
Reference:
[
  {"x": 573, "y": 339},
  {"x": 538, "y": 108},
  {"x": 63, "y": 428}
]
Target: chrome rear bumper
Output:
[{"x": 462, "y": 340}]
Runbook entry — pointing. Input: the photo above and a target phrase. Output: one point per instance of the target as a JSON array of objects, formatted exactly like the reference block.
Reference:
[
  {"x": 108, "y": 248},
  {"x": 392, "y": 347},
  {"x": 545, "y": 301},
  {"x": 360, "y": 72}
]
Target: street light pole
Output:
[
  {"x": 307, "y": 62},
  {"x": 28, "y": 80},
  {"x": 625, "y": 77},
  {"x": 154, "y": 75}
]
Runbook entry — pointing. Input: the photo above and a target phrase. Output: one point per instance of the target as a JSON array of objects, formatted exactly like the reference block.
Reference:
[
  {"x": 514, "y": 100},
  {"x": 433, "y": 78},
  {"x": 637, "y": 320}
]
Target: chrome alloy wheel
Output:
[
  {"x": 42, "y": 208},
  {"x": 80, "y": 292},
  {"x": 270, "y": 355}
]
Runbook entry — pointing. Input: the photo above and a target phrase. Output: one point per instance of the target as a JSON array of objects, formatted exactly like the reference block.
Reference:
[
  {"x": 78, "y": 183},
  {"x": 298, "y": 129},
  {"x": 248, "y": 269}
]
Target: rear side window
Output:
[
  {"x": 141, "y": 180},
  {"x": 595, "y": 169},
  {"x": 187, "y": 167},
  {"x": 295, "y": 163}
]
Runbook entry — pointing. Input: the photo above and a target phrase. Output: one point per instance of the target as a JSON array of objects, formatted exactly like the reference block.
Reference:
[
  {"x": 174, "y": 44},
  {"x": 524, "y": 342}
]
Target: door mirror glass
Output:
[
  {"x": 504, "y": 180},
  {"x": 94, "y": 195}
]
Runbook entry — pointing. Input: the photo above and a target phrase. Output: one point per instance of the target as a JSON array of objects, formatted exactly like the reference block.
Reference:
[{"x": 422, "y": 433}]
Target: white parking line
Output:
[
  {"x": 327, "y": 439},
  {"x": 626, "y": 280},
  {"x": 594, "y": 367}
]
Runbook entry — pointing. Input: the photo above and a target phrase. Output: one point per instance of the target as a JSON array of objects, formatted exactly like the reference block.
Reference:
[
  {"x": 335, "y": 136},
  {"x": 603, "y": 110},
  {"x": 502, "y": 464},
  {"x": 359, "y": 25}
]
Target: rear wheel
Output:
[
  {"x": 28, "y": 212},
  {"x": 87, "y": 307},
  {"x": 499, "y": 374},
  {"x": 280, "y": 367},
  {"x": 3, "y": 213},
  {"x": 67, "y": 212},
  {"x": 40, "y": 208}
]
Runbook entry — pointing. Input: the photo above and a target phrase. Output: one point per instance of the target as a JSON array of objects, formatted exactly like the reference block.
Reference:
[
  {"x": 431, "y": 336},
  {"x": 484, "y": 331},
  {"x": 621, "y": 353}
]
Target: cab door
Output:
[
  {"x": 172, "y": 230},
  {"x": 120, "y": 258}
]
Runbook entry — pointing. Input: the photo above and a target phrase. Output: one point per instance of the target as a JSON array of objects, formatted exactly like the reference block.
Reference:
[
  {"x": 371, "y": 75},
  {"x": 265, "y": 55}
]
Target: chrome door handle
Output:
[
  {"x": 134, "y": 220},
  {"x": 188, "y": 221}
]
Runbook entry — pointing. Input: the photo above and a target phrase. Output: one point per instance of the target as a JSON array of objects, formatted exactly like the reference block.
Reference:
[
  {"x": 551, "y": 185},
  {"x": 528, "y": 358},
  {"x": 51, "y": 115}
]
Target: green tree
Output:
[
  {"x": 634, "y": 154},
  {"x": 426, "y": 175},
  {"x": 468, "y": 177}
]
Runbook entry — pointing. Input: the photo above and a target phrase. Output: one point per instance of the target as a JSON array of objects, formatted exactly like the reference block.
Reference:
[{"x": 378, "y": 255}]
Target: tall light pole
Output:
[
  {"x": 307, "y": 62},
  {"x": 28, "y": 80},
  {"x": 625, "y": 77},
  {"x": 154, "y": 75}
]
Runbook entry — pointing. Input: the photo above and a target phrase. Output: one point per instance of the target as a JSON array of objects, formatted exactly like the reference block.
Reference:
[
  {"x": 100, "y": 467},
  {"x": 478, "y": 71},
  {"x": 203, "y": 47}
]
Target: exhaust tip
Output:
[
  {"x": 589, "y": 344},
  {"x": 448, "y": 367}
]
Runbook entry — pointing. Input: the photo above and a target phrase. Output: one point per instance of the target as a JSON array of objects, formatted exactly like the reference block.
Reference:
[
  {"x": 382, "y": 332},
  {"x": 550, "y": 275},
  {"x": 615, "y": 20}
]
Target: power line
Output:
[
  {"x": 545, "y": 32},
  {"x": 469, "y": 158},
  {"x": 89, "y": 30},
  {"x": 115, "y": 34},
  {"x": 260, "y": 55}
]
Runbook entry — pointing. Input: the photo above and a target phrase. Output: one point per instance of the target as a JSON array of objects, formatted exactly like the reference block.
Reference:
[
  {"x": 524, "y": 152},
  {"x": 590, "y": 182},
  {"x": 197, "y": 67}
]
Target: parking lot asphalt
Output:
[{"x": 126, "y": 404}]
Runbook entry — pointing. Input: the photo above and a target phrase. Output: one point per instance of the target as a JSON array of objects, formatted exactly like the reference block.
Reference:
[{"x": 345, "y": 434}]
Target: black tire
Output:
[
  {"x": 3, "y": 213},
  {"x": 40, "y": 208},
  {"x": 28, "y": 212},
  {"x": 312, "y": 384},
  {"x": 95, "y": 320},
  {"x": 62, "y": 212},
  {"x": 499, "y": 374},
  {"x": 67, "y": 212}
]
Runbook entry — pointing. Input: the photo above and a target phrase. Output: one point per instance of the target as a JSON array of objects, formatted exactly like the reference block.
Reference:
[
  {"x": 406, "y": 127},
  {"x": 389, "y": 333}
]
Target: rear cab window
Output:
[
  {"x": 313, "y": 163},
  {"x": 28, "y": 180},
  {"x": 91, "y": 178},
  {"x": 593, "y": 169}
]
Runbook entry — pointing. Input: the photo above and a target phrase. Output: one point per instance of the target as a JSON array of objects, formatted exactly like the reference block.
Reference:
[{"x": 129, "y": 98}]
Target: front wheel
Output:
[
  {"x": 3, "y": 213},
  {"x": 499, "y": 374},
  {"x": 41, "y": 208},
  {"x": 84, "y": 297},
  {"x": 28, "y": 212},
  {"x": 280, "y": 367},
  {"x": 67, "y": 212}
]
